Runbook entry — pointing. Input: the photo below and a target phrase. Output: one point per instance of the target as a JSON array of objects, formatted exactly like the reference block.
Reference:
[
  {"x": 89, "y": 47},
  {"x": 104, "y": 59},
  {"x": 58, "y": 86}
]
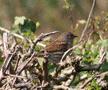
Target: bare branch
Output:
[{"x": 87, "y": 23}]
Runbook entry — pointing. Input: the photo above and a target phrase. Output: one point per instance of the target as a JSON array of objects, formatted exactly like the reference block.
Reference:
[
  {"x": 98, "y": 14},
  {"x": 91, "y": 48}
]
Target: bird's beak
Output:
[{"x": 75, "y": 36}]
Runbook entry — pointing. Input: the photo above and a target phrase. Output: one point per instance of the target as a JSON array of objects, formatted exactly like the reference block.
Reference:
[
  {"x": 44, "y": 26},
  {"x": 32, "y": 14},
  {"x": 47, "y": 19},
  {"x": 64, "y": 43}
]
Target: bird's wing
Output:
[{"x": 56, "y": 46}]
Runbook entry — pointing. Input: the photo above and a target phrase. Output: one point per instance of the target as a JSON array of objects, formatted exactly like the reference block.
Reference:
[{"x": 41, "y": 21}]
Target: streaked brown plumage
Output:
[{"x": 56, "y": 49}]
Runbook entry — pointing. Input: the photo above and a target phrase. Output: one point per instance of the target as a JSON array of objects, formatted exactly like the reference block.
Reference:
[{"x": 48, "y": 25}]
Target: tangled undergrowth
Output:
[{"x": 84, "y": 66}]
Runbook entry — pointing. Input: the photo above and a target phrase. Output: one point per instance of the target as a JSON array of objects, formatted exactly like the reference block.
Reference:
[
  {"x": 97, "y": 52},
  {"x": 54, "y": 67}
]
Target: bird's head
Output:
[{"x": 69, "y": 36}]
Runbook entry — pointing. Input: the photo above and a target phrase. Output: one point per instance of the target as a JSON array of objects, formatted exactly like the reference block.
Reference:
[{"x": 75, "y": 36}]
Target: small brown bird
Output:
[{"x": 56, "y": 48}]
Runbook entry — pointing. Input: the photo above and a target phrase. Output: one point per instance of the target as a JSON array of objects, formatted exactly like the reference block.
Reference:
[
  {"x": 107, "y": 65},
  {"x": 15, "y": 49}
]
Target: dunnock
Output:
[{"x": 56, "y": 49}]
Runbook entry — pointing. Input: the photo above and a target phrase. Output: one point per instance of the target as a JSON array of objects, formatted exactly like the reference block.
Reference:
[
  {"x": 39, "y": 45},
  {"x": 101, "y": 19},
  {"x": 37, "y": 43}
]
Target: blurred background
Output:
[{"x": 59, "y": 15}]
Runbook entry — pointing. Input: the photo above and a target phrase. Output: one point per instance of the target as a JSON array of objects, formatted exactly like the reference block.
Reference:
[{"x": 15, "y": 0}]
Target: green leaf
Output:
[
  {"x": 94, "y": 86},
  {"x": 103, "y": 43},
  {"x": 28, "y": 26},
  {"x": 19, "y": 20},
  {"x": 24, "y": 25},
  {"x": 37, "y": 25}
]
